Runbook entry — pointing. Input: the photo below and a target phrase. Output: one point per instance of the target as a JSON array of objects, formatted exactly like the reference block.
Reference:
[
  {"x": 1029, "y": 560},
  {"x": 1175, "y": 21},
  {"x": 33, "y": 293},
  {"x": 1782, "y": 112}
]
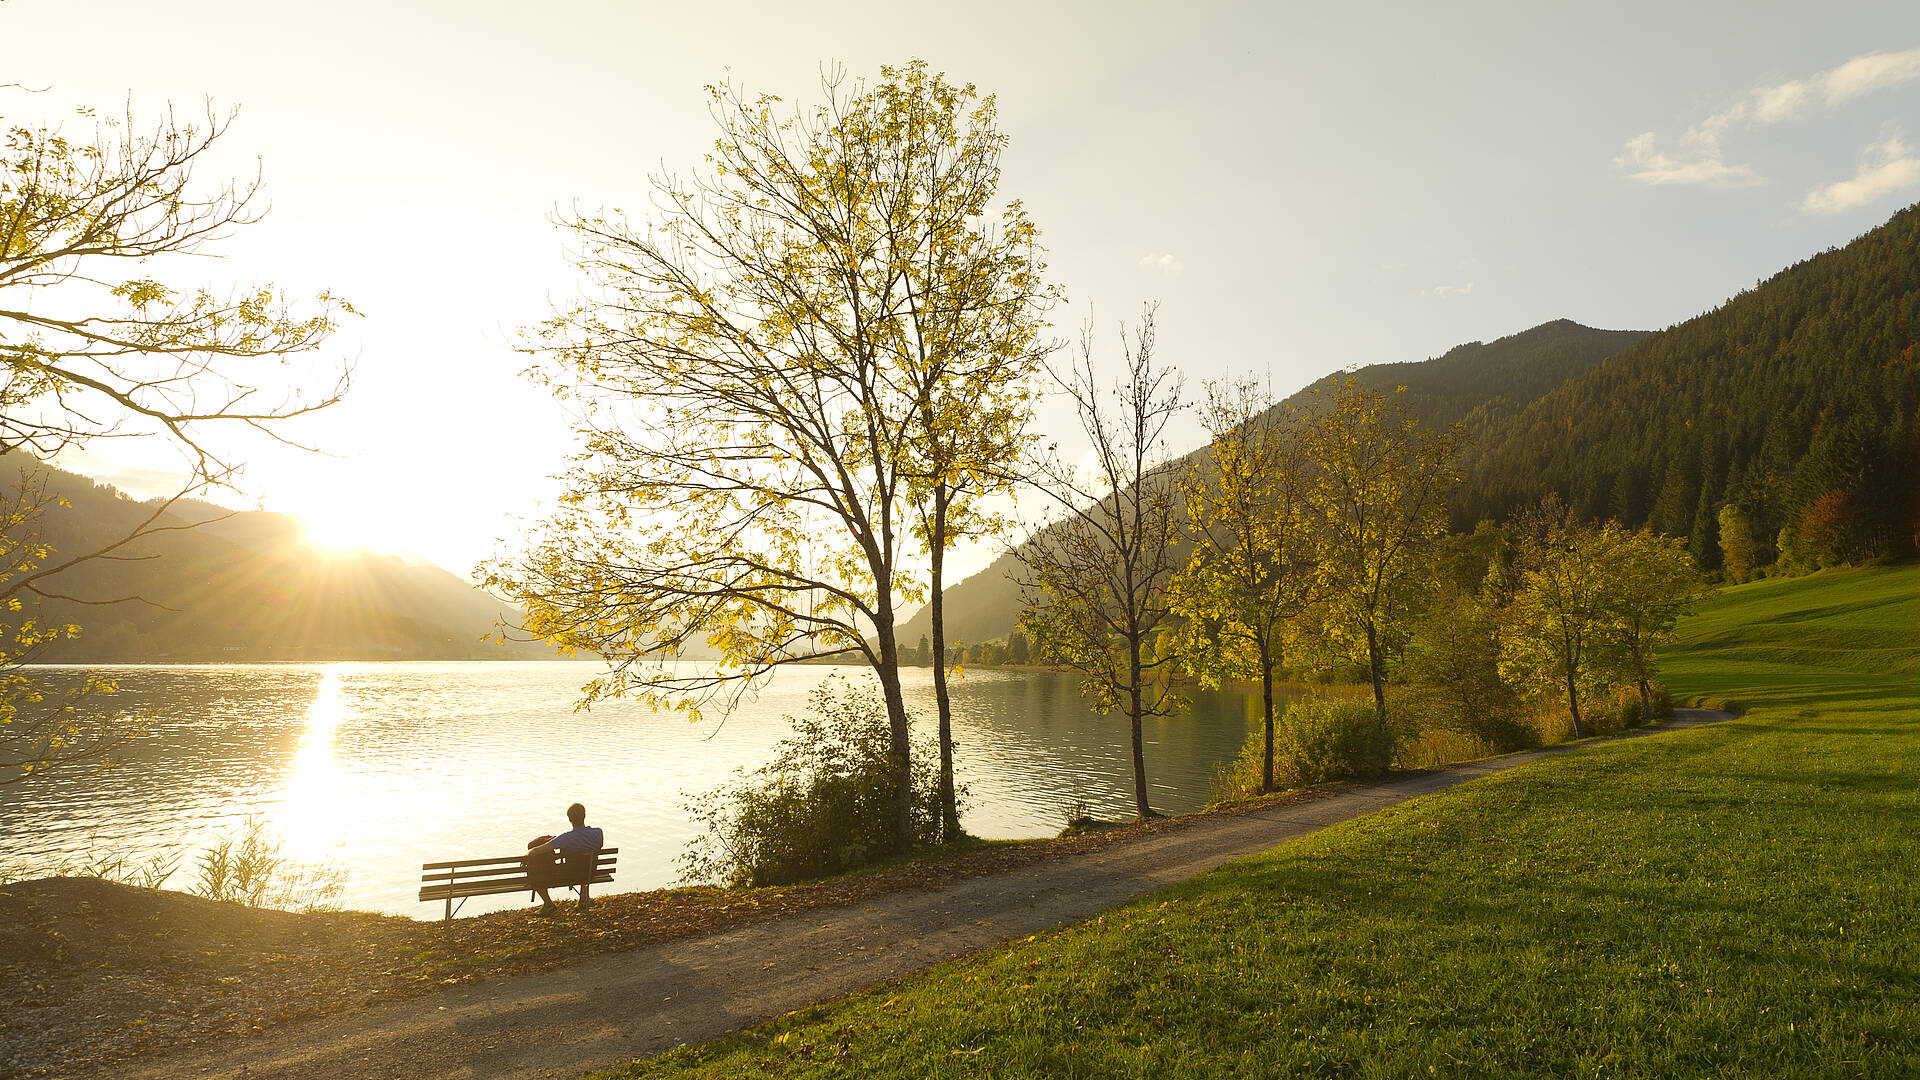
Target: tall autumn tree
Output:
[
  {"x": 976, "y": 304},
  {"x": 750, "y": 370},
  {"x": 1096, "y": 581},
  {"x": 98, "y": 343},
  {"x": 1254, "y": 563},
  {"x": 1379, "y": 482}
]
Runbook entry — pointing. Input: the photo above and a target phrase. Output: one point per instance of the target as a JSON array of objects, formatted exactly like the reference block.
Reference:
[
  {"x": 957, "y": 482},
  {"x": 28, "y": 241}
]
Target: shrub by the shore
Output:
[
  {"x": 1315, "y": 740},
  {"x": 822, "y": 806}
]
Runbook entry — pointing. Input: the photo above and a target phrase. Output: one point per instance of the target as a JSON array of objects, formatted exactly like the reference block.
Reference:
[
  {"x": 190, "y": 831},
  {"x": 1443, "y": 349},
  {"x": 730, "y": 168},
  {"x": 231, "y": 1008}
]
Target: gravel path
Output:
[{"x": 613, "y": 1008}]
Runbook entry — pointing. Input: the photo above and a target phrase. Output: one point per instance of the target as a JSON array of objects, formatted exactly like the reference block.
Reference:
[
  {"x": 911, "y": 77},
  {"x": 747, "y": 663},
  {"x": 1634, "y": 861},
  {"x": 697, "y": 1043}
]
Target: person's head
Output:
[{"x": 578, "y": 815}]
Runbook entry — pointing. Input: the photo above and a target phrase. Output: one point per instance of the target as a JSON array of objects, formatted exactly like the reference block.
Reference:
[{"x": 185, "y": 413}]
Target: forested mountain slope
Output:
[
  {"x": 1479, "y": 384},
  {"x": 249, "y": 587},
  {"x": 1793, "y": 401}
]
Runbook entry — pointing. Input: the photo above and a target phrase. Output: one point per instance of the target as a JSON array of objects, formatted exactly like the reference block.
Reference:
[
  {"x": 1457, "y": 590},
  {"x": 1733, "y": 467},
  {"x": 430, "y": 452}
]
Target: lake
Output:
[{"x": 378, "y": 767}]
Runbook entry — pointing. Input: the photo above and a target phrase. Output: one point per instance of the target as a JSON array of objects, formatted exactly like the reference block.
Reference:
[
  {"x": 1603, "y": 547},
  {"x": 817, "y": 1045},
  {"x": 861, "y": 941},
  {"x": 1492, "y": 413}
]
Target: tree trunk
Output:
[
  {"x": 1266, "y": 691},
  {"x": 936, "y": 548},
  {"x": 900, "y": 749},
  {"x": 1141, "y": 809},
  {"x": 1376, "y": 670},
  {"x": 1646, "y": 702},
  {"x": 1573, "y": 704}
]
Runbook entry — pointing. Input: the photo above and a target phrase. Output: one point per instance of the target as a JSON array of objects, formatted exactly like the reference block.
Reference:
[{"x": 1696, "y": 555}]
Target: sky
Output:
[{"x": 1301, "y": 187}]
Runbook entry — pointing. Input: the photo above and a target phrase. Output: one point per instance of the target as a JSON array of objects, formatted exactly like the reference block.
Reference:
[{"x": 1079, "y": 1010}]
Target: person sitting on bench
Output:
[{"x": 542, "y": 870}]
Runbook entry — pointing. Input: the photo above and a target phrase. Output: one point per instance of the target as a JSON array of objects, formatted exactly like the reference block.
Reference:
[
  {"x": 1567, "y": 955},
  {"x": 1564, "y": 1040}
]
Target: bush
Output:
[
  {"x": 1432, "y": 714},
  {"x": 1319, "y": 739},
  {"x": 823, "y": 806},
  {"x": 1314, "y": 740},
  {"x": 1621, "y": 710},
  {"x": 1239, "y": 779}
]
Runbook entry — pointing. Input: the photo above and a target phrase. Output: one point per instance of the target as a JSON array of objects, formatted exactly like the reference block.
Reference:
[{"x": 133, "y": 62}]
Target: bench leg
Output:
[{"x": 449, "y": 921}]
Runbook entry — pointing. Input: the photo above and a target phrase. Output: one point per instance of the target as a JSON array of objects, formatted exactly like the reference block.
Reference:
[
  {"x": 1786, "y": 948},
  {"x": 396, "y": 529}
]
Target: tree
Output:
[
  {"x": 1823, "y": 530},
  {"x": 1253, "y": 566},
  {"x": 1018, "y": 651},
  {"x": 96, "y": 345},
  {"x": 1454, "y": 657},
  {"x": 1559, "y": 607},
  {"x": 750, "y": 374},
  {"x": 1095, "y": 582},
  {"x": 1739, "y": 550},
  {"x": 976, "y": 303},
  {"x": 1379, "y": 481},
  {"x": 1649, "y": 582}
]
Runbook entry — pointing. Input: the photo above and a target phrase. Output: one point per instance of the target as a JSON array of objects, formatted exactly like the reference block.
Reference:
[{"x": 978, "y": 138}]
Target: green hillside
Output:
[
  {"x": 1831, "y": 636},
  {"x": 249, "y": 587}
]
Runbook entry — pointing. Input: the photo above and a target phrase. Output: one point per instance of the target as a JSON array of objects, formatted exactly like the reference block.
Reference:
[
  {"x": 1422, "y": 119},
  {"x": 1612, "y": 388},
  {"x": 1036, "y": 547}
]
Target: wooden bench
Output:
[{"x": 450, "y": 881}]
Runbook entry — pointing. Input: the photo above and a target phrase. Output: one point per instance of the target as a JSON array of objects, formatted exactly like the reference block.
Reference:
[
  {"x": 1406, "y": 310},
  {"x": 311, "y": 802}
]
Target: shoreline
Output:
[
  {"x": 240, "y": 977},
  {"x": 164, "y": 969}
]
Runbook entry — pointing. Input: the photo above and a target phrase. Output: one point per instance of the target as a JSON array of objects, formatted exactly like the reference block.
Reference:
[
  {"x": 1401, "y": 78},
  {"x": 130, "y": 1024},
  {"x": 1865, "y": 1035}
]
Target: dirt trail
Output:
[{"x": 613, "y": 1008}]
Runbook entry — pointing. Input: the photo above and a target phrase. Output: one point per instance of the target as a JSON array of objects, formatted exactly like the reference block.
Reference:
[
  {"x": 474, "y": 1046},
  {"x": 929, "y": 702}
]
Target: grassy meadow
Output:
[{"x": 1732, "y": 900}]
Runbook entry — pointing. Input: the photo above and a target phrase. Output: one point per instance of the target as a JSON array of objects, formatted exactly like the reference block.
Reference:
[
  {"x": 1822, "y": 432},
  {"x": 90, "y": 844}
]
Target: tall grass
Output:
[
  {"x": 103, "y": 859},
  {"x": 244, "y": 865}
]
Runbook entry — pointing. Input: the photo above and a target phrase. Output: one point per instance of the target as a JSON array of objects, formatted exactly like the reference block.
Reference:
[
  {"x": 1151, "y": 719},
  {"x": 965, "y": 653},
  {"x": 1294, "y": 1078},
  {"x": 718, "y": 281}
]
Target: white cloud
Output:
[
  {"x": 1167, "y": 265},
  {"x": 1449, "y": 290},
  {"x": 1772, "y": 104},
  {"x": 1863, "y": 75},
  {"x": 1887, "y": 166},
  {"x": 1702, "y": 162},
  {"x": 1707, "y": 167}
]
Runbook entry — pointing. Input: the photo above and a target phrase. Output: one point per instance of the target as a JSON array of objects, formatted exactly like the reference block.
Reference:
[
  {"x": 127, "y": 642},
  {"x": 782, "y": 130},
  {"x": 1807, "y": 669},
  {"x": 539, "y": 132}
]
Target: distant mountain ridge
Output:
[
  {"x": 1483, "y": 384},
  {"x": 246, "y": 587},
  {"x": 1478, "y": 384}
]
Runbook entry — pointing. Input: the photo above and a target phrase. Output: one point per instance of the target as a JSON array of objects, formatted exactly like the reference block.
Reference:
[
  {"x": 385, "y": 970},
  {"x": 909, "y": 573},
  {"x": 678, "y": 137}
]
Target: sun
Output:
[{"x": 337, "y": 533}]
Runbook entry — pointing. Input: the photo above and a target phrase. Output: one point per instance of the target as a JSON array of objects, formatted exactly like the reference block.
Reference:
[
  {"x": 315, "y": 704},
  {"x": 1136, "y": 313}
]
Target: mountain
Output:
[
  {"x": 1483, "y": 385},
  {"x": 247, "y": 586},
  {"x": 1480, "y": 385},
  {"x": 1792, "y": 402}
]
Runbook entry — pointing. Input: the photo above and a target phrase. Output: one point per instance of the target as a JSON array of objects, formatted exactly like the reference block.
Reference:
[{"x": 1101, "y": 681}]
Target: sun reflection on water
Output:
[{"x": 310, "y": 810}]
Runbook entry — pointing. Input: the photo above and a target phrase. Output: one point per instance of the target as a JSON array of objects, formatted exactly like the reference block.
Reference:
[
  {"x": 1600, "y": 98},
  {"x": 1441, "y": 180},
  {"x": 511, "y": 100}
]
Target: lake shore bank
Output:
[
  {"x": 156, "y": 969},
  {"x": 210, "y": 976}
]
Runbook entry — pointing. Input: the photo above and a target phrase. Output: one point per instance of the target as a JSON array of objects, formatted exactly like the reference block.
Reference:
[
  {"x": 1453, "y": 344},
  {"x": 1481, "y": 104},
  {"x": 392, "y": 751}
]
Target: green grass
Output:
[
  {"x": 1801, "y": 641},
  {"x": 1735, "y": 900}
]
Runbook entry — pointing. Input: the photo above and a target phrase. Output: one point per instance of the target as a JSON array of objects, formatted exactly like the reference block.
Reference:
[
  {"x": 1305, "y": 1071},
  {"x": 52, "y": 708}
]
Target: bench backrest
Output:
[{"x": 508, "y": 873}]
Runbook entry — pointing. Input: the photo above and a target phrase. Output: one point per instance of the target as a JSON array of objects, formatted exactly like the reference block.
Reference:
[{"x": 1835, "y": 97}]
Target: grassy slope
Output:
[{"x": 1732, "y": 900}]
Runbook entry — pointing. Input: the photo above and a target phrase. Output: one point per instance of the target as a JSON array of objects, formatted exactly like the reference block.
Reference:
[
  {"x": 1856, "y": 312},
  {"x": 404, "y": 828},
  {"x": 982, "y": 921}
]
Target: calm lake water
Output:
[{"x": 376, "y": 768}]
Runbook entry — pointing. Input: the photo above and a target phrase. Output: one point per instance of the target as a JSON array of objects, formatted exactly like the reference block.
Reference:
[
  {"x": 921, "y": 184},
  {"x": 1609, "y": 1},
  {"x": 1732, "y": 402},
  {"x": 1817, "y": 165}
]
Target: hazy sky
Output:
[{"x": 1302, "y": 187}]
